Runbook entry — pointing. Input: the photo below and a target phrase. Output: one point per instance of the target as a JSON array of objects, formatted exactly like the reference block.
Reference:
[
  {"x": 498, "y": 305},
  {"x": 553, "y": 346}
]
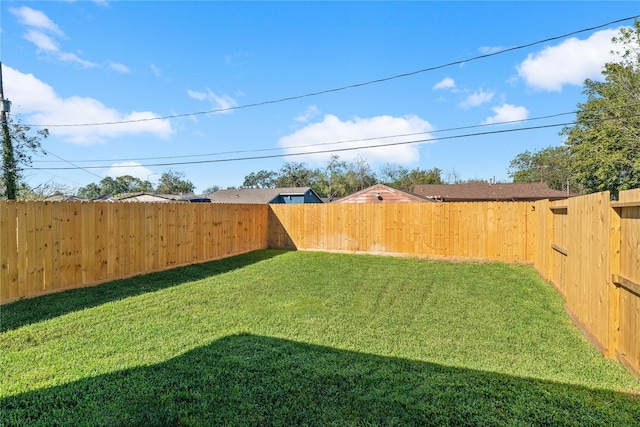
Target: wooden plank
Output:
[
  {"x": 47, "y": 249},
  {"x": 629, "y": 341},
  {"x": 138, "y": 238},
  {"x": 556, "y": 206},
  {"x": 438, "y": 226},
  {"x": 613, "y": 249},
  {"x": 624, "y": 360},
  {"x": 209, "y": 230},
  {"x": 628, "y": 279},
  {"x": 29, "y": 243},
  {"x": 627, "y": 284},
  {"x": 88, "y": 242},
  {"x": 101, "y": 248},
  {"x": 123, "y": 248},
  {"x": 618, "y": 205},
  {"x": 464, "y": 213},
  {"x": 77, "y": 243},
  {"x": 630, "y": 243},
  {"x": 56, "y": 222},
  {"x": 171, "y": 235},
  {"x": 113, "y": 225},
  {"x": 8, "y": 251},
  {"x": 485, "y": 239},
  {"x": 39, "y": 243},
  {"x": 559, "y": 249},
  {"x": 586, "y": 331},
  {"x": 21, "y": 215}
]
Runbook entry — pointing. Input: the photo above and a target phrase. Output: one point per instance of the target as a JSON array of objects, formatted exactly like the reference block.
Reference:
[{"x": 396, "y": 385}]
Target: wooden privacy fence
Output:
[
  {"x": 589, "y": 249},
  {"x": 479, "y": 230},
  {"x": 52, "y": 246},
  {"x": 587, "y": 246}
]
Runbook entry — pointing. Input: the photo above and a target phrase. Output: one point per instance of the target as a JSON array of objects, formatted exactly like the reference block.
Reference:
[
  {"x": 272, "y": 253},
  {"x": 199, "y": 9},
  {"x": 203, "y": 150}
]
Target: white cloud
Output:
[
  {"x": 237, "y": 59},
  {"x": 570, "y": 62},
  {"x": 446, "y": 83},
  {"x": 477, "y": 98},
  {"x": 72, "y": 57},
  {"x": 331, "y": 129},
  {"x": 36, "y": 19},
  {"x": 200, "y": 96},
  {"x": 41, "y": 40},
  {"x": 311, "y": 112},
  {"x": 488, "y": 50},
  {"x": 42, "y": 106},
  {"x": 119, "y": 68},
  {"x": 507, "y": 113},
  {"x": 156, "y": 71},
  {"x": 42, "y": 32},
  {"x": 221, "y": 103},
  {"x": 129, "y": 168}
]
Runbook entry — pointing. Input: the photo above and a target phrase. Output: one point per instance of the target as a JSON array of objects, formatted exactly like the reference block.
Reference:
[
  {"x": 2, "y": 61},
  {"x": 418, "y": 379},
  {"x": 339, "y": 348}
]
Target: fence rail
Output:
[{"x": 587, "y": 247}]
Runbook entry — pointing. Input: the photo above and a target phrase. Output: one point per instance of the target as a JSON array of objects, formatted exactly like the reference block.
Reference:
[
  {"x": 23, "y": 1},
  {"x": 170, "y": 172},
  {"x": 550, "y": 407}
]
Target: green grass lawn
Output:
[{"x": 304, "y": 338}]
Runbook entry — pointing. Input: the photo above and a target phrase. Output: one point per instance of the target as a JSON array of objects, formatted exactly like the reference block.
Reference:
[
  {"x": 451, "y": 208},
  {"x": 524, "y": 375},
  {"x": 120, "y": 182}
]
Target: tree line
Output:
[
  {"x": 337, "y": 179},
  {"x": 340, "y": 178},
  {"x": 170, "y": 182}
]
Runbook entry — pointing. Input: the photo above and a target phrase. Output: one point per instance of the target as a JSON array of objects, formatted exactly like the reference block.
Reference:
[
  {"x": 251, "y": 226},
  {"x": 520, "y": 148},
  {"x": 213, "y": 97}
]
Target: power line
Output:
[
  {"x": 334, "y": 150},
  {"x": 46, "y": 152},
  {"x": 343, "y": 141},
  {"x": 259, "y": 150},
  {"x": 343, "y": 88}
]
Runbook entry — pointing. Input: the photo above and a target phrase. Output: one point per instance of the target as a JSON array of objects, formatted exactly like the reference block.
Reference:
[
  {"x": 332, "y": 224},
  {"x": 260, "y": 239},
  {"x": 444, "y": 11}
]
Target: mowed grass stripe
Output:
[{"x": 237, "y": 331}]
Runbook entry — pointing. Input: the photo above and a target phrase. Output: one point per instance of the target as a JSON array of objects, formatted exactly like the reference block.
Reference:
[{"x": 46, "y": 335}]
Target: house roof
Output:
[
  {"x": 64, "y": 198},
  {"x": 257, "y": 195},
  {"x": 481, "y": 190},
  {"x": 381, "y": 193},
  {"x": 153, "y": 197}
]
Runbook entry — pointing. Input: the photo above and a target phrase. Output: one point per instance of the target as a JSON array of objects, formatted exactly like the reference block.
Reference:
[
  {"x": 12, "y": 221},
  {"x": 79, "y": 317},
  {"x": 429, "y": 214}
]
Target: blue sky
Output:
[{"x": 70, "y": 65}]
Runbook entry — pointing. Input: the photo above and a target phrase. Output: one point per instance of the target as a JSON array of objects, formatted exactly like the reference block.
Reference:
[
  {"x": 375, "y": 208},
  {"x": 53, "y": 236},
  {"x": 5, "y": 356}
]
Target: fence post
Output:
[{"x": 614, "y": 291}]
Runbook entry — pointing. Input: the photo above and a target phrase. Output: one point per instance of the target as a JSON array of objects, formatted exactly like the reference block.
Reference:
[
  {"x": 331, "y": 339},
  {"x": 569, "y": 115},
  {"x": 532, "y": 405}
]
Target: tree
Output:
[
  {"x": 295, "y": 175},
  {"x": 211, "y": 190},
  {"x": 260, "y": 179},
  {"x": 42, "y": 191},
  {"x": 120, "y": 185},
  {"x": 172, "y": 182},
  {"x": 604, "y": 142},
  {"x": 90, "y": 191},
  {"x": 403, "y": 179},
  {"x": 18, "y": 145},
  {"x": 550, "y": 165},
  {"x": 452, "y": 177},
  {"x": 359, "y": 175},
  {"x": 332, "y": 181}
]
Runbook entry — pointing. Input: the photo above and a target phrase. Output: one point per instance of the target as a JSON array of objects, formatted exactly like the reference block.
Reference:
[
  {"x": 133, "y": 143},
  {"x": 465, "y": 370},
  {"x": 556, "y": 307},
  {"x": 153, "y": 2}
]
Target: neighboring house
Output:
[
  {"x": 63, "y": 198},
  {"x": 157, "y": 198},
  {"x": 381, "y": 193},
  {"x": 290, "y": 195},
  {"x": 486, "y": 191}
]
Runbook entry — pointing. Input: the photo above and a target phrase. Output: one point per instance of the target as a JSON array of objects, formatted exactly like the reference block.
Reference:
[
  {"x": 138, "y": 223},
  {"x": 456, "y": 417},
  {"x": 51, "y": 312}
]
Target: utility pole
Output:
[{"x": 8, "y": 159}]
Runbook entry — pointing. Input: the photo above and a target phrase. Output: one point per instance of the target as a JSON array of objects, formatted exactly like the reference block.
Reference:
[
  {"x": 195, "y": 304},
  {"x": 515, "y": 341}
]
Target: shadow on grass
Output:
[
  {"x": 254, "y": 380},
  {"x": 33, "y": 310}
]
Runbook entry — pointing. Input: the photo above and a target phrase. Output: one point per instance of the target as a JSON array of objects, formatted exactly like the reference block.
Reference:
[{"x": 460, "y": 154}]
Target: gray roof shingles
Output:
[
  {"x": 255, "y": 195},
  {"x": 475, "y": 191}
]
